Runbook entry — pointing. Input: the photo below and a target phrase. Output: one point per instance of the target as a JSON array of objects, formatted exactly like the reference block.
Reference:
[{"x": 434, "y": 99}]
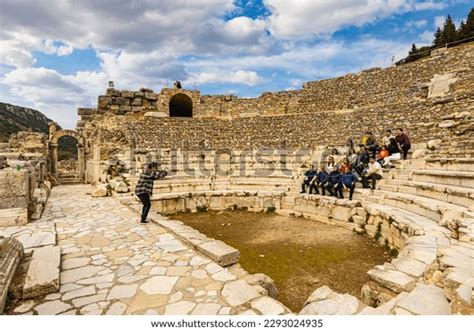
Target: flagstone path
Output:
[{"x": 110, "y": 264}]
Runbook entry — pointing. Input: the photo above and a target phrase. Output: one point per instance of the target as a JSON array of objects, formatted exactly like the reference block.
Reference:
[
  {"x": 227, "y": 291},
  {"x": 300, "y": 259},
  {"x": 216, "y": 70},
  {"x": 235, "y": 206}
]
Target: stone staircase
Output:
[
  {"x": 437, "y": 194},
  {"x": 69, "y": 179}
]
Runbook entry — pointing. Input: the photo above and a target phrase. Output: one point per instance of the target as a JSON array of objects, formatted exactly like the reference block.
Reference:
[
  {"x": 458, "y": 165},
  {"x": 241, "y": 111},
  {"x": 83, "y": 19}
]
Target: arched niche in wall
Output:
[{"x": 181, "y": 106}]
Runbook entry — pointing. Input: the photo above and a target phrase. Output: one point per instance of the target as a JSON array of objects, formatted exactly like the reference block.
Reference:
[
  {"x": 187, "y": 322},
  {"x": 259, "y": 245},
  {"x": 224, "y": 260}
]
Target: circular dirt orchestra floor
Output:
[{"x": 298, "y": 254}]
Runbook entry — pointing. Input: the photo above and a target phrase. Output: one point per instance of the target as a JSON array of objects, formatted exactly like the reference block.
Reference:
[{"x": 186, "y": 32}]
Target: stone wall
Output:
[
  {"x": 24, "y": 178},
  {"x": 416, "y": 96}
]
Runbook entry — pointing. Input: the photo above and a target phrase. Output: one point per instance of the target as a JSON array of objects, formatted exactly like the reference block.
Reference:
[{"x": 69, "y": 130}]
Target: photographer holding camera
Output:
[{"x": 144, "y": 188}]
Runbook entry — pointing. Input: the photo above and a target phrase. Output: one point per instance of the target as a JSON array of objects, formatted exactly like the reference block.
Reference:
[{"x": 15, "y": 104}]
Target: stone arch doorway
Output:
[
  {"x": 181, "y": 106},
  {"x": 53, "y": 151}
]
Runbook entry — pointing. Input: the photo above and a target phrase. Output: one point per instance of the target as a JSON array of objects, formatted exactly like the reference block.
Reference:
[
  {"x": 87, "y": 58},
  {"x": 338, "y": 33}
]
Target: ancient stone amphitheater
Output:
[{"x": 77, "y": 249}]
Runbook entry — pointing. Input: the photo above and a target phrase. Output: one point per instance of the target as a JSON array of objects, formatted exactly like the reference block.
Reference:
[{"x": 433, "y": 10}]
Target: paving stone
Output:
[
  {"x": 206, "y": 309},
  {"x": 97, "y": 279},
  {"x": 143, "y": 302},
  {"x": 52, "y": 308},
  {"x": 172, "y": 246},
  {"x": 239, "y": 292},
  {"x": 74, "y": 263},
  {"x": 175, "y": 297},
  {"x": 159, "y": 285},
  {"x": 83, "y": 301},
  {"x": 82, "y": 292},
  {"x": 42, "y": 276},
  {"x": 223, "y": 276},
  {"x": 425, "y": 300},
  {"x": 267, "y": 306},
  {"x": 117, "y": 308},
  {"x": 179, "y": 308},
  {"x": 122, "y": 291},
  {"x": 73, "y": 275},
  {"x": 158, "y": 271}
]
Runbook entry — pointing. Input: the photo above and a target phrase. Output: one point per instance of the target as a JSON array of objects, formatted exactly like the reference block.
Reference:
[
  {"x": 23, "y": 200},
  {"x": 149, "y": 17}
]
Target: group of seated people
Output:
[{"x": 344, "y": 170}]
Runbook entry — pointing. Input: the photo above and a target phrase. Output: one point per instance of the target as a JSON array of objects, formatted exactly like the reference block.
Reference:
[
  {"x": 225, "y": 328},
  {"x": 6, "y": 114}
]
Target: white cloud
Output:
[
  {"x": 430, "y": 5},
  {"x": 439, "y": 21},
  {"x": 426, "y": 37},
  {"x": 249, "y": 78},
  {"x": 294, "y": 19},
  {"x": 58, "y": 96}
]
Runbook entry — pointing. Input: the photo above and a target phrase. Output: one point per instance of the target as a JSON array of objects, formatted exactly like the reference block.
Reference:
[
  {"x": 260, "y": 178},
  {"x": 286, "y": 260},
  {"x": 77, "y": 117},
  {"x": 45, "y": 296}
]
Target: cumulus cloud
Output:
[
  {"x": 151, "y": 43},
  {"x": 249, "y": 78},
  {"x": 293, "y": 19}
]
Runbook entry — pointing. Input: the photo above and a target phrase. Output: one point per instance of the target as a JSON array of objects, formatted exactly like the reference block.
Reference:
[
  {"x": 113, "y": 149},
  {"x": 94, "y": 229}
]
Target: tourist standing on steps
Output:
[
  {"x": 144, "y": 188},
  {"x": 403, "y": 141},
  {"x": 394, "y": 154},
  {"x": 374, "y": 173}
]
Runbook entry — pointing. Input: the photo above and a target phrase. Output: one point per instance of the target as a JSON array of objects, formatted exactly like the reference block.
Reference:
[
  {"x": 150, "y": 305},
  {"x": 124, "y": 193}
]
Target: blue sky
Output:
[{"x": 57, "y": 55}]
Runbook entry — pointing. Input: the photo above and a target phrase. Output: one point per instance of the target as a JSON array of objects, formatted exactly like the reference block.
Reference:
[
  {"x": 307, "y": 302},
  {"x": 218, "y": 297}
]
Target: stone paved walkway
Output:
[{"x": 110, "y": 264}]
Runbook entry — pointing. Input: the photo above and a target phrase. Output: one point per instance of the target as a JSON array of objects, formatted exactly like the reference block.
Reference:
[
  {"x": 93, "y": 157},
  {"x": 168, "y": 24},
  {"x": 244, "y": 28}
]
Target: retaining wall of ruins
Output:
[{"x": 415, "y": 96}]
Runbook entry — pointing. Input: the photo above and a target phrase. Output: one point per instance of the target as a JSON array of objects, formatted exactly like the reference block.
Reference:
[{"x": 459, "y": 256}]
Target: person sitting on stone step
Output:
[
  {"x": 394, "y": 153},
  {"x": 374, "y": 173},
  {"x": 348, "y": 179},
  {"x": 308, "y": 178},
  {"x": 330, "y": 165},
  {"x": 369, "y": 142},
  {"x": 383, "y": 153},
  {"x": 144, "y": 188},
  {"x": 319, "y": 181},
  {"x": 403, "y": 141},
  {"x": 361, "y": 161},
  {"x": 333, "y": 180},
  {"x": 386, "y": 138}
]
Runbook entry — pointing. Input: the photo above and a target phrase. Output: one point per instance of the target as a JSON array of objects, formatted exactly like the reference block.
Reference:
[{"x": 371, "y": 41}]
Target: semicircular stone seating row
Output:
[{"x": 424, "y": 208}]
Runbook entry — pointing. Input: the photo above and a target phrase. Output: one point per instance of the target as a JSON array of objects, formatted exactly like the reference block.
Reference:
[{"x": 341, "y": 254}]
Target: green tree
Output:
[
  {"x": 466, "y": 30},
  {"x": 438, "y": 37},
  {"x": 462, "y": 33},
  {"x": 413, "y": 50},
  {"x": 449, "y": 33}
]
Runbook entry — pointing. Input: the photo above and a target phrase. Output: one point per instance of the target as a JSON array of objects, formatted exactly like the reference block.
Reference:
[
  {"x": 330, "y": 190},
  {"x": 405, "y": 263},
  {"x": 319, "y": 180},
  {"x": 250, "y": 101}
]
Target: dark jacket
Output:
[
  {"x": 310, "y": 174},
  {"x": 393, "y": 149},
  {"x": 363, "y": 158},
  {"x": 334, "y": 177},
  {"x": 348, "y": 179},
  {"x": 321, "y": 177},
  {"x": 403, "y": 140}
]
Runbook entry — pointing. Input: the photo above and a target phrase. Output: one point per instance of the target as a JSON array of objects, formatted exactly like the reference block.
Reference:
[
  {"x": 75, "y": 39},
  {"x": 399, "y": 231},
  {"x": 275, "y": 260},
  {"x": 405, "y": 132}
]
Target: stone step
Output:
[
  {"x": 423, "y": 300},
  {"x": 450, "y": 164},
  {"x": 431, "y": 208},
  {"x": 408, "y": 222},
  {"x": 42, "y": 276},
  {"x": 448, "y": 193},
  {"x": 457, "y": 178}
]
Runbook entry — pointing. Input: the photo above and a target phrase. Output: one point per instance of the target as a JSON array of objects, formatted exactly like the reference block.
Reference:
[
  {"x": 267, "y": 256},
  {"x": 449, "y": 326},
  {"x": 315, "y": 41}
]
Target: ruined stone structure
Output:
[{"x": 228, "y": 152}]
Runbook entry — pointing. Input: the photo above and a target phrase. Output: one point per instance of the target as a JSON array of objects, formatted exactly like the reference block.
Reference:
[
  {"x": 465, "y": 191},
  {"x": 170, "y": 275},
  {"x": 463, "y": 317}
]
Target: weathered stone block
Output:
[
  {"x": 220, "y": 252},
  {"x": 11, "y": 253},
  {"x": 13, "y": 216},
  {"x": 43, "y": 273}
]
